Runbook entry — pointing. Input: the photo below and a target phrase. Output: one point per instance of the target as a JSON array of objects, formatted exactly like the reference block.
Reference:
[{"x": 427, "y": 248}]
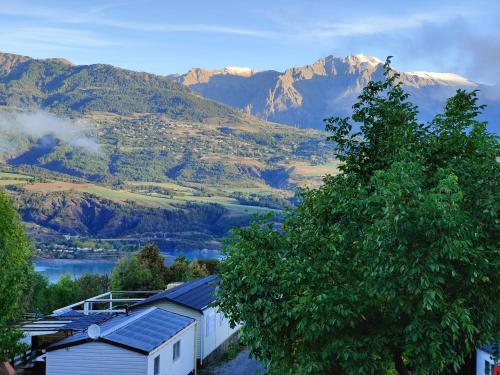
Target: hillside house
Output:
[
  {"x": 151, "y": 341},
  {"x": 193, "y": 299},
  {"x": 486, "y": 361}
]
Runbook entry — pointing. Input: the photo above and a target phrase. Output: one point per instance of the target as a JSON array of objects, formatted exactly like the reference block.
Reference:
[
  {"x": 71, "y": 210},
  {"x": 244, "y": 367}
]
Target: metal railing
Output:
[
  {"x": 21, "y": 359},
  {"x": 113, "y": 301}
]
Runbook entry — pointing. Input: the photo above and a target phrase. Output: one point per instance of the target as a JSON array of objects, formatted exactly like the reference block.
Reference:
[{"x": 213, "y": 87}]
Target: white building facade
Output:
[
  {"x": 134, "y": 346},
  {"x": 486, "y": 363},
  {"x": 194, "y": 299}
]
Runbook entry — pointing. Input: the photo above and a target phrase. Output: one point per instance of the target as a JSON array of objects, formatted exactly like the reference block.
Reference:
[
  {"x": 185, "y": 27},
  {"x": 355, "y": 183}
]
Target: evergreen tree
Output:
[{"x": 151, "y": 258}]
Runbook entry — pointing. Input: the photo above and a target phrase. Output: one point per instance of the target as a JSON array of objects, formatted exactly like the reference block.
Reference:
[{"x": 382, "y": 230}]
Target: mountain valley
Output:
[
  {"x": 146, "y": 158},
  {"x": 98, "y": 152}
]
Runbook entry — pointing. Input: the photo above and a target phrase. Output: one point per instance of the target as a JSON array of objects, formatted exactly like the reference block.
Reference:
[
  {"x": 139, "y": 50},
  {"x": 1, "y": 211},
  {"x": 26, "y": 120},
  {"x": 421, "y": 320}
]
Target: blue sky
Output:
[{"x": 172, "y": 36}]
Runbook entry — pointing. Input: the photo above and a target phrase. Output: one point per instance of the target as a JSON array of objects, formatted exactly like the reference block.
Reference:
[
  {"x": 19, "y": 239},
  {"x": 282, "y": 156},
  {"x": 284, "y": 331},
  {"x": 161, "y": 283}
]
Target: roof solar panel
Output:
[
  {"x": 81, "y": 322},
  {"x": 142, "y": 331}
]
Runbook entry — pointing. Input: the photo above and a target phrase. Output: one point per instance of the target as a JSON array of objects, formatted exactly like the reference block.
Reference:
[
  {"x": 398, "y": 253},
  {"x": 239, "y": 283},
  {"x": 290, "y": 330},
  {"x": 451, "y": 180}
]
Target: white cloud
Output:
[
  {"x": 50, "y": 38},
  {"x": 39, "y": 124},
  {"x": 280, "y": 25},
  {"x": 96, "y": 17}
]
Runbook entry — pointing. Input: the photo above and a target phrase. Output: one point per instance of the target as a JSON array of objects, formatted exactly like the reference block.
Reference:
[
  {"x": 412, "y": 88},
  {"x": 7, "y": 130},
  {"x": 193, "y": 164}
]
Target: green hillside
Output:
[
  {"x": 57, "y": 85},
  {"x": 158, "y": 147}
]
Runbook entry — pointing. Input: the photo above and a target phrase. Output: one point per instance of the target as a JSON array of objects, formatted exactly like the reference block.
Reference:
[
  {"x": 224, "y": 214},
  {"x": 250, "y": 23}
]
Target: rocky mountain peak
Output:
[
  {"x": 238, "y": 71},
  {"x": 304, "y": 95}
]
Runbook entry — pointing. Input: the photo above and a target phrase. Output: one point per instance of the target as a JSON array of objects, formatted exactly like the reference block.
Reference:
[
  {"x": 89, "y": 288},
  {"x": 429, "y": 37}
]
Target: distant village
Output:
[{"x": 58, "y": 251}]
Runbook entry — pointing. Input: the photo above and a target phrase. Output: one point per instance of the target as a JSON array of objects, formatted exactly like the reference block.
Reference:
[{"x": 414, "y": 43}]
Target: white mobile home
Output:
[
  {"x": 149, "y": 342},
  {"x": 193, "y": 299}
]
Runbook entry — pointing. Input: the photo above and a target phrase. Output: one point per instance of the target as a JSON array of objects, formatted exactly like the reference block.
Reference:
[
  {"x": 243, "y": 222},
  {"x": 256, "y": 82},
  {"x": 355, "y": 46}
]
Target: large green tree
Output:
[
  {"x": 391, "y": 265},
  {"x": 130, "y": 274},
  {"x": 15, "y": 253},
  {"x": 146, "y": 270}
]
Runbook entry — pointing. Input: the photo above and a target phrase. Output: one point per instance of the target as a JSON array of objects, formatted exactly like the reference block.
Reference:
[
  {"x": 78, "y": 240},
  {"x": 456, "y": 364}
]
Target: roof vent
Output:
[{"x": 94, "y": 331}]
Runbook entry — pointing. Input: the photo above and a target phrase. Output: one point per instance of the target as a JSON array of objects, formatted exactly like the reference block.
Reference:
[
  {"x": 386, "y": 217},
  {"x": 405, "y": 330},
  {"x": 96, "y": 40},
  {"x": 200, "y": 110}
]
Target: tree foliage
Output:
[
  {"x": 15, "y": 253},
  {"x": 45, "y": 297},
  {"x": 129, "y": 274},
  {"x": 391, "y": 265},
  {"x": 146, "y": 270}
]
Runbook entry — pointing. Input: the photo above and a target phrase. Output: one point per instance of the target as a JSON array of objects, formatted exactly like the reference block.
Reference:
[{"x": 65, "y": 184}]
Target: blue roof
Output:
[
  {"x": 70, "y": 313},
  {"x": 141, "y": 331},
  {"x": 491, "y": 349},
  {"x": 81, "y": 322},
  {"x": 196, "y": 294}
]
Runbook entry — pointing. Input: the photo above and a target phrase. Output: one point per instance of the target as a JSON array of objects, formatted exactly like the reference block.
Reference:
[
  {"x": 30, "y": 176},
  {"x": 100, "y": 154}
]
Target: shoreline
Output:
[
  {"x": 75, "y": 261},
  {"x": 169, "y": 256}
]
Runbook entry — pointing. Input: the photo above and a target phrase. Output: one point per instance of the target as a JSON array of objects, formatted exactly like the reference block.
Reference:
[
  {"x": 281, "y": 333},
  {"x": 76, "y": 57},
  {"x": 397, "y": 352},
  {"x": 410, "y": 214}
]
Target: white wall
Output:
[
  {"x": 95, "y": 358},
  {"x": 481, "y": 357},
  {"x": 216, "y": 337},
  {"x": 105, "y": 359},
  {"x": 182, "y": 365}
]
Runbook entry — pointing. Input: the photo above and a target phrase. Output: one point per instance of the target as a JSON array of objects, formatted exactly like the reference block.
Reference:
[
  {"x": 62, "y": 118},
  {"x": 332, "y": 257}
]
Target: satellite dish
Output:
[{"x": 94, "y": 331}]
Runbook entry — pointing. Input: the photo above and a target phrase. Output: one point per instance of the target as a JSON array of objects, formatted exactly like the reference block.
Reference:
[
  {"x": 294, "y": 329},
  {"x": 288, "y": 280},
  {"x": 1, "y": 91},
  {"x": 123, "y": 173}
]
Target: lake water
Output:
[{"x": 55, "y": 268}]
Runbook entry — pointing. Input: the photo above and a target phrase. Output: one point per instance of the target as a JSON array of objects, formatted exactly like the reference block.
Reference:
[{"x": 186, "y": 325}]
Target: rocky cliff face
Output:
[{"x": 304, "y": 96}]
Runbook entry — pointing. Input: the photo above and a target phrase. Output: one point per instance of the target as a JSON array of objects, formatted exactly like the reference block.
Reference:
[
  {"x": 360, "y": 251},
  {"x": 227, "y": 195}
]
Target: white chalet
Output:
[
  {"x": 150, "y": 342},
  {"x": 193, "y": 299}
]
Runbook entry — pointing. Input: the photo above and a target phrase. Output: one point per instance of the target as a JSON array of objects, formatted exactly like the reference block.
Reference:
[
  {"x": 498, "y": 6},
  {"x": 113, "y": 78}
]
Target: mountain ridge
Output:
[
  {"x": 304, "y": 95},
  {"x": 152, "y": 160},
  {"x": 166, "y": 149},
  {"x": 57, "y": 85}
]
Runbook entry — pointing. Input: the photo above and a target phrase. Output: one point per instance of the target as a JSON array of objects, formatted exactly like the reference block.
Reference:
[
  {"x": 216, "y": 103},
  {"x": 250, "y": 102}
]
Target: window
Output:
[
  {"x": 177, "y": 350},
  {"x": 487, "y": 368},
  {"x": 221, "y": 319},
  {"x": 210, "y": 324},
  {"x": 157, "y": 366}
]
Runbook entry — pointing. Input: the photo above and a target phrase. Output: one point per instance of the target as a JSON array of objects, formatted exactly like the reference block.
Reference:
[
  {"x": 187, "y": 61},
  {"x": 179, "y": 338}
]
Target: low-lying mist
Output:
[{"x": 39, "y": 124}]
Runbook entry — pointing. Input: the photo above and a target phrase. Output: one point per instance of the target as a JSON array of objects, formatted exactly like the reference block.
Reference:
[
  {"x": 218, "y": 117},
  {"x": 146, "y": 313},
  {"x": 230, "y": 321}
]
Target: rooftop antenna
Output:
[{"x": 94, "y": 331}]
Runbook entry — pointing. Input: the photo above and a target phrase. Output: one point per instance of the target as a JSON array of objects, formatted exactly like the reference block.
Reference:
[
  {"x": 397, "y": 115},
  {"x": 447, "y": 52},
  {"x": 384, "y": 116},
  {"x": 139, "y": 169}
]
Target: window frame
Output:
[
  {"x": 221, "y": 319},
  {"x": 210, "y": 324},
  {"x": 176, "y": 350},
  {"x": 156, "y": 365},
  {"x": 488, "y": 368}
]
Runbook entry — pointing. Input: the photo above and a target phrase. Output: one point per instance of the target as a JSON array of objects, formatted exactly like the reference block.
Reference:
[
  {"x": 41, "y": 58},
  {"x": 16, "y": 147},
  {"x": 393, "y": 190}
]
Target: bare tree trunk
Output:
[
  {"x": 399, "y": 363},
  {"x": 468, "y": 368}
]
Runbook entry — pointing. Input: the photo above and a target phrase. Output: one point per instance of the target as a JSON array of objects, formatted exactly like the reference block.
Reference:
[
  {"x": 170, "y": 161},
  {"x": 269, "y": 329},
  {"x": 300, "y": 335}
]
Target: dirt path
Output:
[{"x": 242, "y": 364}]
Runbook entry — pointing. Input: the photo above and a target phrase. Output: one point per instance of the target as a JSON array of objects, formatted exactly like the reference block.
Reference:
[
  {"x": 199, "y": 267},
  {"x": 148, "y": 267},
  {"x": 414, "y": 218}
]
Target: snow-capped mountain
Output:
[{"x": 305, "y": 95}]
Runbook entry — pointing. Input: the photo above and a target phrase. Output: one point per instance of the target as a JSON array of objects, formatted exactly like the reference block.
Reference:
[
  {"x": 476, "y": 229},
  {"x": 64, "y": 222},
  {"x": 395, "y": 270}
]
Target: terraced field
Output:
[
  {"x": 152, "y": 200},
  {"x": 13, "y": 176}
]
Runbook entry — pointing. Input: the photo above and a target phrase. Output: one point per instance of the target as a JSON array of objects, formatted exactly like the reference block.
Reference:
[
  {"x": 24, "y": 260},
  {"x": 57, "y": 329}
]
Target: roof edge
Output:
[
  {"x": 140, "y": 304},
  {"x": 55, "y": 346},
  {"x": 167, "y": 341},
  {"x": 88, "y": 340}
]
